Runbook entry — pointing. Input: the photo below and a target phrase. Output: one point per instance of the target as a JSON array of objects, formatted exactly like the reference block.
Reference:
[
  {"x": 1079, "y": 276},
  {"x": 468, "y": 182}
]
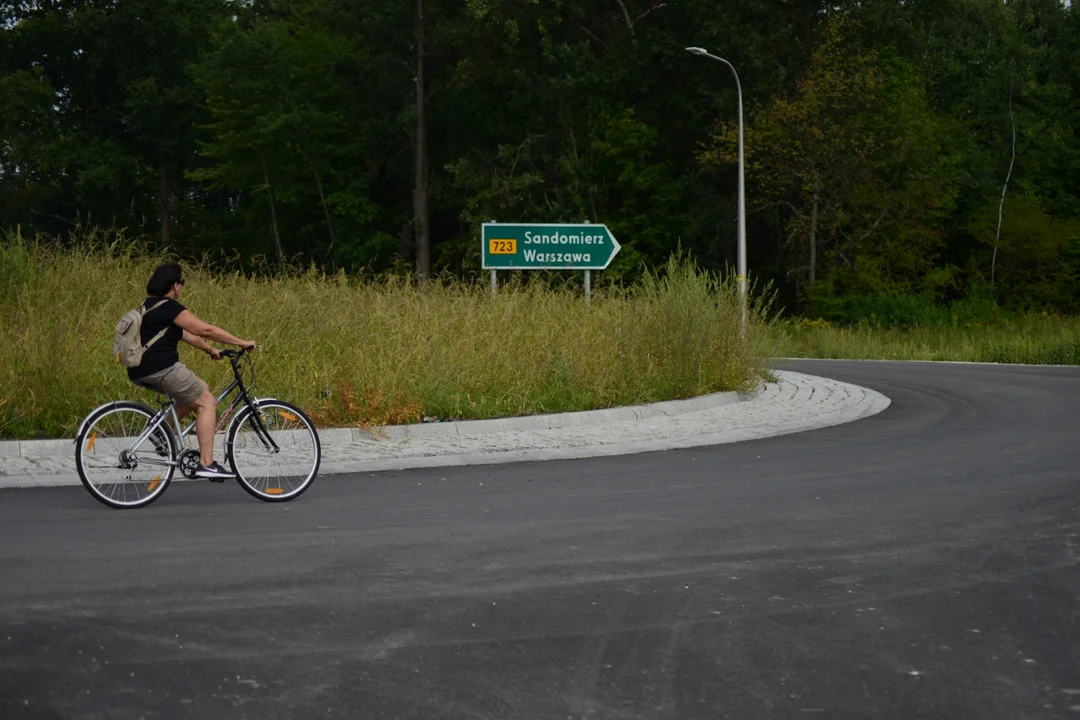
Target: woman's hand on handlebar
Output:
[
  {"x": 248, "y": 345},
  {"x": 237, "y": 353}
]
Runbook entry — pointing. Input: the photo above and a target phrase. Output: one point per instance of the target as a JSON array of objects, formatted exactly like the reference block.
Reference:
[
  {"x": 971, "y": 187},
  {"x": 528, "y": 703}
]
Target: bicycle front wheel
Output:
[
  {"x": 270, "y": 473},
  {"x": 116, "y": 471}
]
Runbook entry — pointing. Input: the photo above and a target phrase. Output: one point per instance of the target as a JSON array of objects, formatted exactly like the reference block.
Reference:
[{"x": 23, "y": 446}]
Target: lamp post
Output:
[{"x": 742, "y": 193}]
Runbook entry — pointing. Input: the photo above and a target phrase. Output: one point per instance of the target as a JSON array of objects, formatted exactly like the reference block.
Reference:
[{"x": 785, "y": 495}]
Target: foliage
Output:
[
  {"x": 854, "y": 158},
  {"x": 1038, "y": 339},
  {"x": 879, "y": 134}
]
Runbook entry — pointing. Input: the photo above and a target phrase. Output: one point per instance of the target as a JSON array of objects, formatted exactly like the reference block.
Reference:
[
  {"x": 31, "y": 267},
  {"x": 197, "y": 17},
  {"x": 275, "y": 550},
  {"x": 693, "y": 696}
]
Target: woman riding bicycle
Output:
[{"x": 161, "y": 369}]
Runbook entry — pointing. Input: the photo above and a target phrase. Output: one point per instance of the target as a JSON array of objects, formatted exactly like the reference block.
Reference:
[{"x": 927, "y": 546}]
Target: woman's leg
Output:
[
  {"x": 189, "y": 392},
  {"x": 205, "y": 423}
]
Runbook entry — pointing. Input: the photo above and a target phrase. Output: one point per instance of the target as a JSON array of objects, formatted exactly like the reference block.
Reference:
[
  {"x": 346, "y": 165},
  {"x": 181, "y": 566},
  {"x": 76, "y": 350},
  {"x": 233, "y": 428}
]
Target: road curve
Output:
[{"x": 924, "y": 562}]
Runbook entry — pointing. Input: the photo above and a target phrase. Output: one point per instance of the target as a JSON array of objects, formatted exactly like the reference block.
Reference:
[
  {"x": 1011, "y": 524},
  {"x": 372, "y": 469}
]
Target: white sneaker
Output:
[{"x": 213, "y": 472}]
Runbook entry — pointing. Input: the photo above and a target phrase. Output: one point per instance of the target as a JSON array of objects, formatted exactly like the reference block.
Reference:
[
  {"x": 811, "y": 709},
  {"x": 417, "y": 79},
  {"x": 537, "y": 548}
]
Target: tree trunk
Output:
[
  {"x": 629, "y": 23},
  {"x": 870, "y": 230},
  {"x": 420, "y": 191},
  {"x": 163, "y": 174},
  {"x": 813, "y": 230},
  {"x": 273, "y": 213},
  {"x": 1001, "y": 205},
  {"x": 322, "y": 199}
]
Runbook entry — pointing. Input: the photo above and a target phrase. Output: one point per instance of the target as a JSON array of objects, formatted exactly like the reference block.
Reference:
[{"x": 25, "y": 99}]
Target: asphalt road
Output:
[{"x": 924, "y": 562}]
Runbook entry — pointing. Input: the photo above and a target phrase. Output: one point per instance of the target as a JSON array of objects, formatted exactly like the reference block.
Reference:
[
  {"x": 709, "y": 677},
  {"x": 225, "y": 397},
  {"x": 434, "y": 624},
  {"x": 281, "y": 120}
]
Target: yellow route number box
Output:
[{"x": 502, "y": 247}]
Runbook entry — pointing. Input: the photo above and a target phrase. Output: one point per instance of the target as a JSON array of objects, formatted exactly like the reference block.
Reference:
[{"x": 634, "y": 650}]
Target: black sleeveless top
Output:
[{"x": 164, "y": 353}]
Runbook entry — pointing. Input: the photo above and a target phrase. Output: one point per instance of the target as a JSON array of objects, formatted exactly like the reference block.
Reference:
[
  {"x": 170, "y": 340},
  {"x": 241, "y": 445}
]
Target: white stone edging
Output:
[{"x": 330, "y": 437}]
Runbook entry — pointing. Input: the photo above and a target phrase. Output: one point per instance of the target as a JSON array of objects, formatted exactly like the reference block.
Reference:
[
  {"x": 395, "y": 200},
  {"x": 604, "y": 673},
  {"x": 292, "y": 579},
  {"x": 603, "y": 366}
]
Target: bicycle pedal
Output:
[{"x": 219, "y": 481}]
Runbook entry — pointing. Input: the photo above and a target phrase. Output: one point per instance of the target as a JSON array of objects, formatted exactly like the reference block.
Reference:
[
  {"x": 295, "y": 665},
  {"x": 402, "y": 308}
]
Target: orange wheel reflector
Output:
[
  {"x": 274, "y": 491},
  {"x": 93, "y": 439},
  {"x": 154, "y": 484},
  {"x": 287, "y": 416}
]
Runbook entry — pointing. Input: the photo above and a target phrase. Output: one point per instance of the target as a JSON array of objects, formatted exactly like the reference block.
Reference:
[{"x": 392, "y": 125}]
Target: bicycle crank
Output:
[{"x": 188, "y": 462}]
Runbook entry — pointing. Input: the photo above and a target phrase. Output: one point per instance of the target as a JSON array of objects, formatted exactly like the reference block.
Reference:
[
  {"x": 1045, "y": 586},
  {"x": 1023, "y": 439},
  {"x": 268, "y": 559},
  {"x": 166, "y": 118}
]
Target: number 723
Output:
[{"x": 502, "y": 247}]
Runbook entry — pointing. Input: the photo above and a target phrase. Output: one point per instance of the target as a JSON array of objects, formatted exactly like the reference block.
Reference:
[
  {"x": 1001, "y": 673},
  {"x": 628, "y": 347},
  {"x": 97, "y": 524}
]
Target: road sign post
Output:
[
  {"x": 494, "y": 279},
  {"x": 588, "y": 280}
]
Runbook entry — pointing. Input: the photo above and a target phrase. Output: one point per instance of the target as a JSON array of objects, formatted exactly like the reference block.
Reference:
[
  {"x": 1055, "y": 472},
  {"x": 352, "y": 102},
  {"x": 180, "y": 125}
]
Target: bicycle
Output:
[{"x": 127, "y": 454}]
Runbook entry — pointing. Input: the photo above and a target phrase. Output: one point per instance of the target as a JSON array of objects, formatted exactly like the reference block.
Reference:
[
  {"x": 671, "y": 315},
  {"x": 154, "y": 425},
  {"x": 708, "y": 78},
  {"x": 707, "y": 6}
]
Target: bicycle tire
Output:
[
  {"x": 94, "y": 453},
  {"x": 274, "y": 476}
]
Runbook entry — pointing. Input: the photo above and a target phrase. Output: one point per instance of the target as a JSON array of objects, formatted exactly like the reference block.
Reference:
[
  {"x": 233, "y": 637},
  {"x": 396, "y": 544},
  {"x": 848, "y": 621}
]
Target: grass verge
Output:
[
  {"x": 1036, "y": 339},
  {"x": 370, "y": 351}
]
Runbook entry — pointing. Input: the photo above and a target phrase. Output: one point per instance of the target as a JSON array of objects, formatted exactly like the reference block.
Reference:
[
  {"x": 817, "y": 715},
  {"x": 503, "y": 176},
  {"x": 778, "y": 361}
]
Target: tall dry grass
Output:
[
  {"x": 370, "y": 351},
  {"x": 1035, "y": 339}
]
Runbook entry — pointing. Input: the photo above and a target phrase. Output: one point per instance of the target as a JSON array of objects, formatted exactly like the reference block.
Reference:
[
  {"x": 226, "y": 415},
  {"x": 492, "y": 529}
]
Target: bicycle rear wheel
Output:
[
  {"x": 268, "y": 474},
  {"x": 111, "y": 469}
]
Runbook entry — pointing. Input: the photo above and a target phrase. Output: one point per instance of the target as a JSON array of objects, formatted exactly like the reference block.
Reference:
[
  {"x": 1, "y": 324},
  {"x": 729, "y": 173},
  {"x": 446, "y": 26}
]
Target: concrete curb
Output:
[
  {"x": 874, "y": 403},
  {"x": 36, "y": 448},
  {"x": 796, "y": 403},
  {"x": 337, "y": 437}
]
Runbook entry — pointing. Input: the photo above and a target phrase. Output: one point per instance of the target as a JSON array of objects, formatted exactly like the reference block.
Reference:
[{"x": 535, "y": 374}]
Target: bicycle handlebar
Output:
[{"x": 237, "y": 353}]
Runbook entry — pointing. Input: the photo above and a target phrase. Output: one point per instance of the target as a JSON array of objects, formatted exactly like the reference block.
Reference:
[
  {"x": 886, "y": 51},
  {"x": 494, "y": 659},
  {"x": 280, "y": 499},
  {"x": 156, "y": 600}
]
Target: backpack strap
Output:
[{"x": 160, "y": 334}]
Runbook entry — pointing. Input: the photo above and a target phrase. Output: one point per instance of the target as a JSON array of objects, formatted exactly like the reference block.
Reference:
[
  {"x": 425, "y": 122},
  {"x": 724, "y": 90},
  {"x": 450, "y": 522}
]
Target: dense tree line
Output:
[{"x": 893, "y": 146}]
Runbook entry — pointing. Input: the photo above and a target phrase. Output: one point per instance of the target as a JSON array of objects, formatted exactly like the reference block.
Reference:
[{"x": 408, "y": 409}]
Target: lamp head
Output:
[{"x": 697, "y": 51}]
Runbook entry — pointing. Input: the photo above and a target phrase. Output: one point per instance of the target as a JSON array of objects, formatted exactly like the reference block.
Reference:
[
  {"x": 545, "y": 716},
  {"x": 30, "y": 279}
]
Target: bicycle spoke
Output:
[
  {"x": 112, "y": 469},
  {"x": 275, "y": 474}
]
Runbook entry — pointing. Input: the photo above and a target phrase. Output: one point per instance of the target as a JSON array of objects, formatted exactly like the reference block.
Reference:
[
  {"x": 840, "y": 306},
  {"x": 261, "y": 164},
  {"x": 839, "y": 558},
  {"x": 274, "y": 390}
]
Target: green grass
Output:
[
  {"x": 370, "y": 351},
  {"x": 1036, "y": 339}
]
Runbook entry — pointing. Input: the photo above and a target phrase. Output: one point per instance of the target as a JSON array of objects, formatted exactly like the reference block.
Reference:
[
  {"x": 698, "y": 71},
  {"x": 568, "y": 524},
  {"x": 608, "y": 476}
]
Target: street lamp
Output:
[{"x": 742, "y": 191}]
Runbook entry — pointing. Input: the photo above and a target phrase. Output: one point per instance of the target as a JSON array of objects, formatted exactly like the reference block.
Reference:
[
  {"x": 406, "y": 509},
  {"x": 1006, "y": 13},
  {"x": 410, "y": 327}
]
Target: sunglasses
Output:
[{"x": 179, "y": 282}]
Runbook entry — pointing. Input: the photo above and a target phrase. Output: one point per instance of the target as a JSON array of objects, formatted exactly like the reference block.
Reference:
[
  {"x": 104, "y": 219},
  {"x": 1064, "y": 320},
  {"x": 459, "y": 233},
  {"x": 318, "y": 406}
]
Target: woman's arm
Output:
[
  {"x": 201, "y": 344},
  {"x": 199, "y": 329}
]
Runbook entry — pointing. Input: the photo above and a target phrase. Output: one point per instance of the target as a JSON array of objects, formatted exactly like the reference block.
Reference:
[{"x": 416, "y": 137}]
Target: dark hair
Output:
[{"x": 163, "y": 279}]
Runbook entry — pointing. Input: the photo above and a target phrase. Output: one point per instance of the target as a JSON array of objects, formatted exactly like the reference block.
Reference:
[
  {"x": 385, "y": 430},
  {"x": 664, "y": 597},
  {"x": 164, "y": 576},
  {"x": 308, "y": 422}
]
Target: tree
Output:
[
  {"x": 851, "y": 156},
  {"x": 359, "y": 135},
  {"x": 111, "y": 81},
  {"x": 269, "y": 89}
]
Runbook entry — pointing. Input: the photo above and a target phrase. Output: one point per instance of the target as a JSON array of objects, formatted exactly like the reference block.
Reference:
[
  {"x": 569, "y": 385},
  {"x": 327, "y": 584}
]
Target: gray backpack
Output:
[{"x": 127, "y": 345}]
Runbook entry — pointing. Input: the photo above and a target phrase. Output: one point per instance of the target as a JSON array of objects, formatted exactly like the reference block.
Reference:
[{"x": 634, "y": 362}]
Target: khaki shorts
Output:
[{"x": 179, "y": 383}]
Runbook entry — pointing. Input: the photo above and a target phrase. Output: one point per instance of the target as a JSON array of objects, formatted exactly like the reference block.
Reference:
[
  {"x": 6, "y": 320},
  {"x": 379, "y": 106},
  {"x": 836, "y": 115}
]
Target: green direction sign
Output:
[{"x": 508, "y": 246}]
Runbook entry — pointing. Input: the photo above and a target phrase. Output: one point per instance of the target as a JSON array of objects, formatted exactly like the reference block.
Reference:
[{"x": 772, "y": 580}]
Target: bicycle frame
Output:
[{"x": 170, "y": 411}]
